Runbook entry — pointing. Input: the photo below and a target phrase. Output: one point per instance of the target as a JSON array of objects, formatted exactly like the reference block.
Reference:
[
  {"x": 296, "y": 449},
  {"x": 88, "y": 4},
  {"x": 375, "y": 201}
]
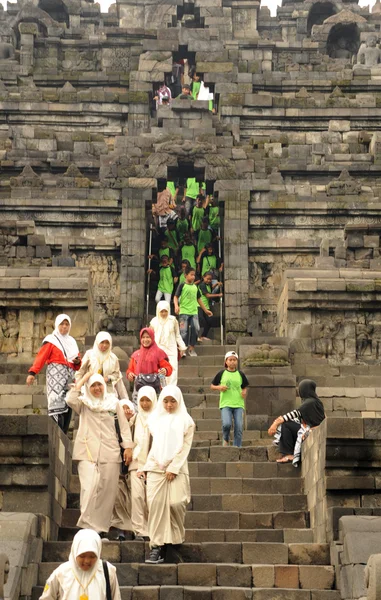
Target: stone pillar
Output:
[
  {"x": 27, "y": 33},
  {"x": 236, "y": 257},
  {"x": 244, "y": 18},
  {"x": 133, "y": 256}
]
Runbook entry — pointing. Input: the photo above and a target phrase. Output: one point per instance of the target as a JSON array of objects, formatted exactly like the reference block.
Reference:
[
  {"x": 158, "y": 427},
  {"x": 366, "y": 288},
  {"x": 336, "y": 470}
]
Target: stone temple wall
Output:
[{"x": 292, "y": 150}]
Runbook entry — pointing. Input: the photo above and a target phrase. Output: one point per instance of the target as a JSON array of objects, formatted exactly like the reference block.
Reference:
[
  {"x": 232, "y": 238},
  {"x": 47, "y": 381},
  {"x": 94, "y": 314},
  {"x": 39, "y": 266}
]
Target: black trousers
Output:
[
  {"x": 63, "y": 420},
  {"x": 206, "y": 322},
  {"x": 288, "y": 437}
]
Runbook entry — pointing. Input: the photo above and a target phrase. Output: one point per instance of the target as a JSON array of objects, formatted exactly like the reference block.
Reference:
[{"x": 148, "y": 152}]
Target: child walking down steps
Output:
[{"x": 232, "y": 385}]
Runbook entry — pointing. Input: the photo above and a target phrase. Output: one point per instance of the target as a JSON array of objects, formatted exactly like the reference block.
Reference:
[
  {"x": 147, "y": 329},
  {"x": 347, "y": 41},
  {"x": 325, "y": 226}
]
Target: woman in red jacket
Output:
[
  {"x": 60, "y": 352},
  {"x": 148, "y": 363}
]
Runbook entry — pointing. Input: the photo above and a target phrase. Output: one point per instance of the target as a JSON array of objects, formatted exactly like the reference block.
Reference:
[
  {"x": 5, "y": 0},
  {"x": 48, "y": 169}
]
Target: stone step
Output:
[
  {"x": 220, "y": 535},
  {"x": 217, "y": 574},
  {"x": 250, "y": 553},
  {"x": 248, "y": 436},
  {"x": 233, "y": 454},
  {"x": 17, "y": 396},
  {"x": 206, "y": 592},
  {"x": 243, "y": 502},
  {"x": 223, "y": 519},
  {"x": 246, "y": 469}
]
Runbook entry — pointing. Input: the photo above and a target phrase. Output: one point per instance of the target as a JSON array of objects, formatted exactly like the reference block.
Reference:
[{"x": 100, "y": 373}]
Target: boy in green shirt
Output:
[
  {"x": 191, "y": 191},
  {"x": 232, "y": 385},
  {"x": 167, "y": 279},
  {"x": 205, "y": 235},
  {"x": 187, "y": 300},
  {"x": 188, "y": 250},
  {"x": 182, "y": 224},
  {"x": 198, "y": 214},
  {"x": 208, "y": 294}
]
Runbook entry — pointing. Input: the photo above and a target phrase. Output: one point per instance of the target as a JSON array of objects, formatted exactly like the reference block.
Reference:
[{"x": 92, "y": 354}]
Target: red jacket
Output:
[
  {"x": 48, "y": 353},
  {"x": 163, "y": 364}
]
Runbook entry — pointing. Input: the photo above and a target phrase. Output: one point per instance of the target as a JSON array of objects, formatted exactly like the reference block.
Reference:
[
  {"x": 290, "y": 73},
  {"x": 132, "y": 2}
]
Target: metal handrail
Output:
[
  {"x": 223, "y": 291},
  {"x": 149, "y": 274}
]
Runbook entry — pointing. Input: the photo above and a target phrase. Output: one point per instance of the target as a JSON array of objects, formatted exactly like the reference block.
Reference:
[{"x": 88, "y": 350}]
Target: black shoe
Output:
[
  {"x": 139, "y": 538},
  {"x": 103, "y": 535},
  {"x": 121, "y": 537},
  {"x": 155, "y": 556}
]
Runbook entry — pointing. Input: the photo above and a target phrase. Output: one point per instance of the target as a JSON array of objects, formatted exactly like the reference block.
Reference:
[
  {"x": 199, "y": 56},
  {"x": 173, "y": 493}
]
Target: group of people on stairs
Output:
[{"x": 133, "y": 456}]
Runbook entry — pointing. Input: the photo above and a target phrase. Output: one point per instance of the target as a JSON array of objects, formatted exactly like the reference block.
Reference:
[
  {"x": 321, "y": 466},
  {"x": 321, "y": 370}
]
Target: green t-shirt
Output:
[
  {"x": 182, "y": 226},
  {"x": 195, "y": 89},
  {"x": 204, "y": 237},
  {"x": 209, "y": 263},
  {"x": 193, "y": 187},
  {"x": 188, "y": 294},
  {"x": 197, "y": 217},
  {"x": 182, "y": 278},
  {"x": 171, "y": 187},
  {"x": 189, "y": 253},
  {"x": 236, "y": 381},
  {"x": 205, "y": 289},
  {"x": 164, "y": 252},
  {"x": 214, "y": 216},
  {"x": 172, "y": 239},
  {"x": 166, "y": 280}
]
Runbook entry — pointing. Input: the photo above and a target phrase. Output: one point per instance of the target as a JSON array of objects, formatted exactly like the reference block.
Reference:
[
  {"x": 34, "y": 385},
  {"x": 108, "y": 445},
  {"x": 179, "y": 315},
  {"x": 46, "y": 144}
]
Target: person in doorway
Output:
[
  {"x": 198, "y": 213},
  {"x": 185, "y": 92},
  {"x": 207, "y": 296},
  {"x": 168, "y": 489},
  {"x": 187, "y": 299},
  {"x": 97, "y": 449},
  {"x": 101, "y": 359},
  {"x": 121, "y": 517},
  {"x": 142, "y": 438},
  {"x": 208, "y": 261},
  {"x": 232, "y": 385},
  {"x": 192, "y": 189},
  {"x": 84, "y": 575},
  {"x": 291, "y": 429},
  {"x": 148, "y": 363},
  {"x": 168, "y": 338},
  {"x": 167, "y": 279},
  {"x": 182, "y": 224},
  {"x": 59, "y": 351},
  {"x": 162, "y": 94},
  {"x": 171, "y": 235},
  {"x": 214, "y": 214},
  {"x": 205, "y": 235},
  {"x": 188, "y": 250}
]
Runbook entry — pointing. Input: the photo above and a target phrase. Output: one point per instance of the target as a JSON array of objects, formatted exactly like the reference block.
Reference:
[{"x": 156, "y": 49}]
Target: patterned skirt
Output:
[{"x": 58, "y": 378}]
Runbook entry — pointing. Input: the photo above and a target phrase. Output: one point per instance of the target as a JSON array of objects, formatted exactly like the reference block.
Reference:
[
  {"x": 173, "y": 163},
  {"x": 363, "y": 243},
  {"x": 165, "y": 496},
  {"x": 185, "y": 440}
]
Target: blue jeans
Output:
[
  {"x": 227, "y": 416},
  {"x": 189, "y": 329}
]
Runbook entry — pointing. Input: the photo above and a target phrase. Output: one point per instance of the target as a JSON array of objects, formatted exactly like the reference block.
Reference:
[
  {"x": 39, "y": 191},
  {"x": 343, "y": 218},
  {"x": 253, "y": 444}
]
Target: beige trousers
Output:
[
  {"x": 139, "y": 509},
  {"x": 172, "y": 379},
  {"x": 167, "y": 502},
  {"x": 99, "y": 484},
  {"x": 121, "y": 518}
]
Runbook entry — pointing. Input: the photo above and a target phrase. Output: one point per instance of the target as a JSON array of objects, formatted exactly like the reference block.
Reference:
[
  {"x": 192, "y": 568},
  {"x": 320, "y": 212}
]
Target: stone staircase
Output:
[{"x": 247, "y": 526}]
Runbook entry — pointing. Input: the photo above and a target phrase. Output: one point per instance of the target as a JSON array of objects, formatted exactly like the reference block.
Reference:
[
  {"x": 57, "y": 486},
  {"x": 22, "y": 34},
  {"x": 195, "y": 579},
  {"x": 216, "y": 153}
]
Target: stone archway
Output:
[
  {"x": 319, "y": 13},
  {"x": 343, "y": 40}
]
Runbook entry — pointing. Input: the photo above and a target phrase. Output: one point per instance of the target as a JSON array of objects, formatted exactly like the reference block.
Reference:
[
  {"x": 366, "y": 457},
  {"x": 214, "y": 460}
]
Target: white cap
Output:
[{"x": 231, "y": 353}]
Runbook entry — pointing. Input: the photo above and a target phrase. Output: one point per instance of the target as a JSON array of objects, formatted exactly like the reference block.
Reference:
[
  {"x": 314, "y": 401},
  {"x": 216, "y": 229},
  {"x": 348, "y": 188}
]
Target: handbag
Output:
[
  {"x": 107, "y": 578},
  {"x": 124, "y": 467},
  {"x": 151, "y": 379}
]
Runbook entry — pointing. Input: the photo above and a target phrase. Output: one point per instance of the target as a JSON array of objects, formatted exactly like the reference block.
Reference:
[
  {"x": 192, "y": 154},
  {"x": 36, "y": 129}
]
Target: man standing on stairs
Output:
[{"x": 187, "y": 300}]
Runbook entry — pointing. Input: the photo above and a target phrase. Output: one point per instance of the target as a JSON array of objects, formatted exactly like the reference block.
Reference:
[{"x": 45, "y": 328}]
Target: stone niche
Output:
[
  {"x": 333, "y": 314},
  {"x": 30, "y": 300}
]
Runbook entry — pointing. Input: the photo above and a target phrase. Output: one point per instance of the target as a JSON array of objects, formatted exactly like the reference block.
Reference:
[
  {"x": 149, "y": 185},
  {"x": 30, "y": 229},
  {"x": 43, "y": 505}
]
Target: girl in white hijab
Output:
[
  {"x": 141, "y": 436},
  {"x": 60, "y": 352},
  {"x": 98, "y": 450},
  {"x": 82, "y": 577},
  {"x": 168, "y": 489},
  {"x": 167, "y": 337},
  {"x": 100, "y": 359}
]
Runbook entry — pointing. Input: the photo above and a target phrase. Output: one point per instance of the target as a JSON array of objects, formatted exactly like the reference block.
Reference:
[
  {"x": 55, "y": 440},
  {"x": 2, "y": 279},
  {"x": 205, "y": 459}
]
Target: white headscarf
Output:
[
  {"x": 74, "y": 580},
  {"x": 168, "y": 429},
  {"x": 65, "y": 343},
  {"x": 141, "y": 430},
  {"x": 161, "y": 326},
  {"x": 126, "y": 402},
  {"x": 105, "y": 403},
  {"x": 104, "y": 362}
]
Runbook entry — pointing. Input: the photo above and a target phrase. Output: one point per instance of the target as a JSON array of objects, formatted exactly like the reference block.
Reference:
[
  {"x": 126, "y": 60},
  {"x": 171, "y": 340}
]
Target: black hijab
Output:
[{"x": 312, "y": 408}]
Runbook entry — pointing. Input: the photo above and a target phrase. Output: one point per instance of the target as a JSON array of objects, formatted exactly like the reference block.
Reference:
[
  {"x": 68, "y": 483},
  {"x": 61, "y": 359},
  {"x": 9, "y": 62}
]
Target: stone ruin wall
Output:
[{"x": 293, "y": 153}]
